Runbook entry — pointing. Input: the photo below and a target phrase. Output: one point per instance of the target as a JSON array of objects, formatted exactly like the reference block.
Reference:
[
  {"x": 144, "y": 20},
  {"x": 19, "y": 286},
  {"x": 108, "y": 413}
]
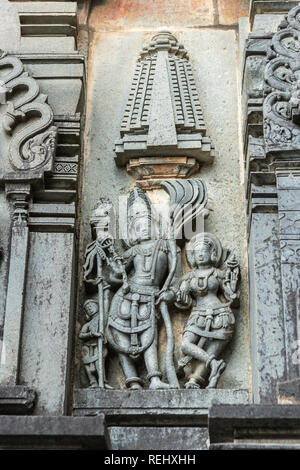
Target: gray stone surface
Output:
[
  {"x": 10, "y": 27},
  {"x": 254, "y": 427},
  {"x": 288, "y": 186},
  {"x": 289, "y": 392},
  {"x": 47, "y": 327},
  {"x": 15, "y": 299},
  {"x": 54, "y": 23},
  {"x": 270, "y": 7},
  {"x": 266, "y": 322},
  {"x": 174, "y": 407},
  {"x": 52, "y": 432},
  {"x": 50, "y": 45},
  {"x": 151, "y": 438},
  {"x": 16, "y": 400},
  {"x": 267, "y": 23}
]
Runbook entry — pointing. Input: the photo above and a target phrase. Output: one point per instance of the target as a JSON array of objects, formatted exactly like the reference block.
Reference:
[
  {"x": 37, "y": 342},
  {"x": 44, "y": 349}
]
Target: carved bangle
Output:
[
  {"x": 133, "y": 379},
  {"x": 155, "y": 373},
  {"x": 210, "y": 358}
]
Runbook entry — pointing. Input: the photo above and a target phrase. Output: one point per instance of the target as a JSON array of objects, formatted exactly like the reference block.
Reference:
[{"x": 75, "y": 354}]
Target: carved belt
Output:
[
  {"x": 90, "y": 359},
  {"x": 135, "y": 349},
  {"x": 143, "y": 290},
  {"x": 220, "y": 334},
  {"x": 128, "y": 329},
  {"x": 221, "y": 309}
]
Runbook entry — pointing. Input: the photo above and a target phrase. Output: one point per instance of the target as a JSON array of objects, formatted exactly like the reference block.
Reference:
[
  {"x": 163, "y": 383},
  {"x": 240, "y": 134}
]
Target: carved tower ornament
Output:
[
  {"x": 281, "y": 107},
  {"x": 32, "y": 145},
  {"x": 163, "y": 133},
  {"x": 144, "y": 284}
]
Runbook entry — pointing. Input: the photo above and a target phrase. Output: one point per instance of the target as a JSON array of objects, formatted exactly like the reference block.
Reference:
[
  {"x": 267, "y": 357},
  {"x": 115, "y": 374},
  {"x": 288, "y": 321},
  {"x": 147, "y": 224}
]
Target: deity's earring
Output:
[{"x": 213, "y": 256}]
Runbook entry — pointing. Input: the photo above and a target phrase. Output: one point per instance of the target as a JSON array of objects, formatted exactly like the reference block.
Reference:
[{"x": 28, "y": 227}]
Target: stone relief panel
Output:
[
  {"x": 138, "y": 292},
  {"x": 103, "y": 178}
]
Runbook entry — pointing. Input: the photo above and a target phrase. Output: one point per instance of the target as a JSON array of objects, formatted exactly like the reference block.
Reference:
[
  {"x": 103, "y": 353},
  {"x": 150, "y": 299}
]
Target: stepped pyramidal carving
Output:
[{"x": 163, "y": 115}]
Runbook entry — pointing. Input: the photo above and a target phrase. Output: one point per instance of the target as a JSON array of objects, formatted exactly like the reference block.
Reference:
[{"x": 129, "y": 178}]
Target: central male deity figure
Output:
[{"x": 132, "y": 319}]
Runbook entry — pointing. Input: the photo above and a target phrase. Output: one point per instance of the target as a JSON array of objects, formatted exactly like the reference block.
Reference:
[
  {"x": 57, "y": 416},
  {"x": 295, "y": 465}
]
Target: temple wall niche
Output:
[{"x": 115, "y": 44}]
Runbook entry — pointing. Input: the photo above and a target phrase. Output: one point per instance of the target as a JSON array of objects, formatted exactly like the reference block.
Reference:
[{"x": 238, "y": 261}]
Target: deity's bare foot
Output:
[
  {"x": 192, "y": 384},
  {"x": 217, "y": 367},
  {"x": 135, "y": 386},
  {"x": 94, "y": 384},
  {"x": 157, "y": 384},
  {"x": 108, "y": 387}
]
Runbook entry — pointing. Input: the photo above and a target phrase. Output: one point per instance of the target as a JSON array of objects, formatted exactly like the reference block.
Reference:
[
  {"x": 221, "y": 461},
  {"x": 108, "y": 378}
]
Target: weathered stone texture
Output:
[
  {"x": 10, "y": 27},
  {"x": 48, "y": 320},
  {"x": 230, "y": 11},
  {"x": 115, "y": 14},
  {"x": 182, "y": 407},
  {"x": 155, "y": 438},
  {"x": 52, "y": 432}
]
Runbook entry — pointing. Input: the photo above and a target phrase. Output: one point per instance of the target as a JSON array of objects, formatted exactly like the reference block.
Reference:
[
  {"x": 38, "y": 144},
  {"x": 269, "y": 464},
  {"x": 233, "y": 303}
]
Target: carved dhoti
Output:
[
  {"x": 133, "y": 314},
  {"x": 216, "y": 322}
]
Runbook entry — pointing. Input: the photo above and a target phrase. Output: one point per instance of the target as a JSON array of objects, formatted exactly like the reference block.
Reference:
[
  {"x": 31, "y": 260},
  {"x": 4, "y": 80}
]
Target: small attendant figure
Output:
[{"x": 89, "y": 334}]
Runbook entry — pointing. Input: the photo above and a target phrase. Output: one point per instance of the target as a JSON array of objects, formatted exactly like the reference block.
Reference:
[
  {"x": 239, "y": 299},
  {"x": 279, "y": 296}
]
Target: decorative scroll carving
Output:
[
  {"x": 33, "y": 145},
  {"x": 163, "y": 115},
  {"x": 281, "y": 106},
  {"x": 213, "y": 287}
]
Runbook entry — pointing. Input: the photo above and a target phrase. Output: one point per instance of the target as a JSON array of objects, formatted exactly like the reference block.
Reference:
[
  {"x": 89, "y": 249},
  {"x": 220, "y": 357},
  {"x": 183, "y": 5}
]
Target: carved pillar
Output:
[
  {"x": 15, "y": 398},
  {"x": 16, "y": 284},
  {"x": 272, "y": 143},
  {"x": 288, "y": 186}
]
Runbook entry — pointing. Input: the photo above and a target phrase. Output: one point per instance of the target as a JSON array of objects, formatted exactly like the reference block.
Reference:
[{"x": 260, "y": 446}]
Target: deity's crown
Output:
[{"x": 139, "y": 205}]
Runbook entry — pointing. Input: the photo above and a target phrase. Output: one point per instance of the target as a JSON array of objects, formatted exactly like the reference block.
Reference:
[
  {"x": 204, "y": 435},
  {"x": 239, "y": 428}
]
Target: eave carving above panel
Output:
[
  {"x": 33, "y": 141},
  {"x": 281, "y": 107}
]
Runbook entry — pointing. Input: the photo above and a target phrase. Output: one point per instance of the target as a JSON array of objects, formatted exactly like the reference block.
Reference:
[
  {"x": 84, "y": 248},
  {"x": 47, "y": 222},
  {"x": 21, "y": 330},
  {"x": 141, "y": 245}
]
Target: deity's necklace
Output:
[
  {"x": 146, "y": 252},
  {"x": 203, "y": 280}
]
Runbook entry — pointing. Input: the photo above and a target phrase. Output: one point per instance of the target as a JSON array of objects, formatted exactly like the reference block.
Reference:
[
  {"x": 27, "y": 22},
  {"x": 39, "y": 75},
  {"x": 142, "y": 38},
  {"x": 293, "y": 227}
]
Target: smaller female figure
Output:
[{"x": 212, "y": 287}]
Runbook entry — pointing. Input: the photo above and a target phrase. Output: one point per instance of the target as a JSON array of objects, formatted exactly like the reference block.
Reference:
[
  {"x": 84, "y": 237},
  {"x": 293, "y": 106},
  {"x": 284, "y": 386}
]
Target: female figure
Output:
[{"x": 212, "y": 287}]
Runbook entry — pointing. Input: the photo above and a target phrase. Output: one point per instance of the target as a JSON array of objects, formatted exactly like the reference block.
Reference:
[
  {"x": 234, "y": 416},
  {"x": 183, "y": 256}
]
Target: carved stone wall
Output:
[
  {"x": 271, "y": 80},
  {"x": 42, "y": 110},
  {"x": 112, "y": 62},
  {"x": 96, "y": 334}
]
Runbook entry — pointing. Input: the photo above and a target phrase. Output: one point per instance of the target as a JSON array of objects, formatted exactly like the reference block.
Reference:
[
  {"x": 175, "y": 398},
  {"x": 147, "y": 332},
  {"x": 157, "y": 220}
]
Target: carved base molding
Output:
[
  {"x": 150, "y": 171},
  {"x": 169, "y": 407},
  {"x": 254, "y": 427},
  {"x": 289, "y": 392},
  {"x": 16, "y": 400},
  {"x": 52, "y": 432}
]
